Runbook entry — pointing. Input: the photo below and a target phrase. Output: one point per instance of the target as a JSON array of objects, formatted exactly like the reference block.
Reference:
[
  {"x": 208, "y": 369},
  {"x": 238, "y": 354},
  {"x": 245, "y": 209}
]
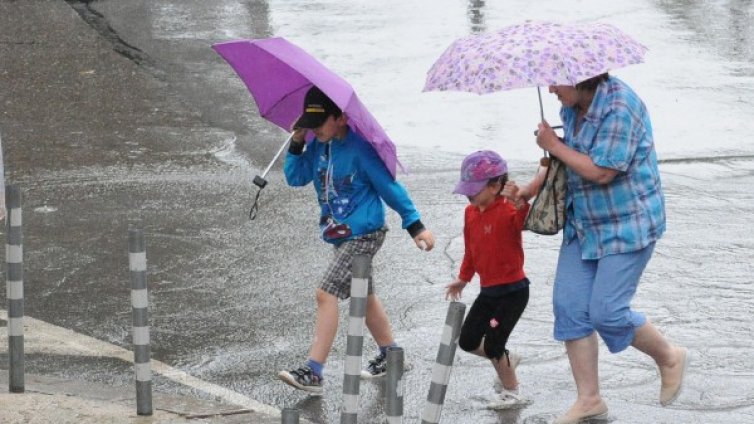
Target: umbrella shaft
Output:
[{"x": 277, "y": 155}]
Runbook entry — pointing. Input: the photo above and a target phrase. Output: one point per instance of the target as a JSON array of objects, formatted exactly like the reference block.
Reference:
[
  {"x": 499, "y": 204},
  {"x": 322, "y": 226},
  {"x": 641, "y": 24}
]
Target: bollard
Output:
[
  {"x": 394, "y": 386},
  {"x": 444, "y": 363},
  {"x": 14, "y": 260},
  {"x": 355, "y": 340},
  {"x": 137, "y": 263},
  {"x": 290, "y": 416}
]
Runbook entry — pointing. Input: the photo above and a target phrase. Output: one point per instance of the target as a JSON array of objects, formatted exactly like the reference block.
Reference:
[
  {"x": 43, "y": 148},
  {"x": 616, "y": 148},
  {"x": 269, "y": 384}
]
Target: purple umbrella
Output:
[
  {"x": 532, "y": 54},
  {"x": 278, "y": 74}
]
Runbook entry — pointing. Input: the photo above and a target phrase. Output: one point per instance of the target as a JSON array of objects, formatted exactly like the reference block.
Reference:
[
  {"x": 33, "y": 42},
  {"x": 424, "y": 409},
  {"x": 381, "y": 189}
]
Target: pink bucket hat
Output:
[{"x": 477, "y": 169}]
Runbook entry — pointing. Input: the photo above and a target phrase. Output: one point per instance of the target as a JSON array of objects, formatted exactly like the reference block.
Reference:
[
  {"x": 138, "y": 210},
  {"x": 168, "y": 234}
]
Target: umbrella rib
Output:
[{"x": 282, "y": 99}]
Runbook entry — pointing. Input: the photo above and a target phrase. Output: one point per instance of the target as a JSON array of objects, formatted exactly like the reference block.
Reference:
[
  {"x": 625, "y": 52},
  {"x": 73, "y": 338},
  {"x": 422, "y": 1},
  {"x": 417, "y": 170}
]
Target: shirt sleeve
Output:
[
  {"x": 298, "y": 166},
  {"x": 615, "y": 143},
  {"x": 466, "y": 272},
  {"x": 390, "y": 190},
  {"x": 520, "y": 217}
]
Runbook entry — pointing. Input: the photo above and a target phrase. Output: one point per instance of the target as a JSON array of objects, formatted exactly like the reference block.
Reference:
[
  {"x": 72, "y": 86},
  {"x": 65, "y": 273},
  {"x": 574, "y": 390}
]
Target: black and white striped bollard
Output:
[
  {"x": 355, "y": 340},
  {"x": 394, "y": 388},
  {"x": 444, "y": 363},
  {"x": 290, "y": 416},
  {"x": 137, "y": 263},
  {"x": 14, "y": 261}
]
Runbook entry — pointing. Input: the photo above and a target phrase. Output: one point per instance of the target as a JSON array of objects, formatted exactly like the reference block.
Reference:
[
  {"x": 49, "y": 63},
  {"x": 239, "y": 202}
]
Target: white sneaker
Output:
[
  {"x": 515, "y": 360},
  {"x": 509, "y": 399}
]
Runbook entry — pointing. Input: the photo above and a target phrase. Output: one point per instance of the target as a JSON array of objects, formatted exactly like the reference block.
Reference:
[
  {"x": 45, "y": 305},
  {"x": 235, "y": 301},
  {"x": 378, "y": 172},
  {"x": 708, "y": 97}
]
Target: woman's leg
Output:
[
  {"x": 670, "y": 359},
  {"x": 572, "y": 293},
  {"x": 583, "y": 355}
]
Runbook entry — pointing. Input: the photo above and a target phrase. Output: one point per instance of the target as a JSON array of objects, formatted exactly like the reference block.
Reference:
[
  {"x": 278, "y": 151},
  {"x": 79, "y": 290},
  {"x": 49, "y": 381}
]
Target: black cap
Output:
[{"x": 317, "y": 107}]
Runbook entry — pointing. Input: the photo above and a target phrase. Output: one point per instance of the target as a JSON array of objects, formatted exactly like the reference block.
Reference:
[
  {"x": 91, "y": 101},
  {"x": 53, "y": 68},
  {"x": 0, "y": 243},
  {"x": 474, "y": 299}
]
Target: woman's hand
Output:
[
  {"x": 454, "y": 289},
  {"x": 546, "y": 137}
]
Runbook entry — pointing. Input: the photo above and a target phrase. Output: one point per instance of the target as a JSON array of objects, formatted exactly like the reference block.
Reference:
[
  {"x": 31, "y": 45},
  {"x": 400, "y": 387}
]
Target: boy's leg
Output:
[
  {"x": 377, "y": 322},
  {"x": 325, "y": 327},
  {"x": 379, "y": 326},
  {"x": 308, "y": 377}
]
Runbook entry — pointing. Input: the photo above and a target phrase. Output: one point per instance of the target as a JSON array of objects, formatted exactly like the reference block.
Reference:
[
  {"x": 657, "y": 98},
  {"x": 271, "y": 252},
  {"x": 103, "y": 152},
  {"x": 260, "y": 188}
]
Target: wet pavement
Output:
[{"x": 117, "y": 114}]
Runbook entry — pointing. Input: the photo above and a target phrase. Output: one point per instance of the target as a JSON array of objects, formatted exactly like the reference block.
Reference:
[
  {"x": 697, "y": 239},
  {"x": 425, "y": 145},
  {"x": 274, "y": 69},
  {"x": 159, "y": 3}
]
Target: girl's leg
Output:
[{"x": 509, "y": 309}]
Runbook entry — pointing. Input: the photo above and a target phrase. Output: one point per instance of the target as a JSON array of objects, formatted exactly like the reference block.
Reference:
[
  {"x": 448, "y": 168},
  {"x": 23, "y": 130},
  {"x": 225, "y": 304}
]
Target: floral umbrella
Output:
[{"x": 532, "y": 54}]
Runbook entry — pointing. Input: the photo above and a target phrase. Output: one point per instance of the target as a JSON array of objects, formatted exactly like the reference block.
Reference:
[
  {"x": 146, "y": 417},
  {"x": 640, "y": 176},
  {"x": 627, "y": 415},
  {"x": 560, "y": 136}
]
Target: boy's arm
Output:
[
  {"x": 298, "y": 163},
  {"x": 396, "y": 197}
]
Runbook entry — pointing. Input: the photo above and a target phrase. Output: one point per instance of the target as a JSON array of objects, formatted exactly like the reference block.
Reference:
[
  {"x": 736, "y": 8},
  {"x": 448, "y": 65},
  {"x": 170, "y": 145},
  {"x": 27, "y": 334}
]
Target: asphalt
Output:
[{"x": 63, "y": 85}]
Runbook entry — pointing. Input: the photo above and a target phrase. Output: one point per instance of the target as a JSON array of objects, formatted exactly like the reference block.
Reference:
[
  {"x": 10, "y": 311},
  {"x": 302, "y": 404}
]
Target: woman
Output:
[{"x": 615, "y": 212}]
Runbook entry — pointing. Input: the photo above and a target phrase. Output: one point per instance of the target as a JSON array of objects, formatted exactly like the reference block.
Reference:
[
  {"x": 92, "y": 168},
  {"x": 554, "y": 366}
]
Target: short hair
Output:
[
  {"x": 502, "y": 179},
  {"x": 592, "y": 83}
]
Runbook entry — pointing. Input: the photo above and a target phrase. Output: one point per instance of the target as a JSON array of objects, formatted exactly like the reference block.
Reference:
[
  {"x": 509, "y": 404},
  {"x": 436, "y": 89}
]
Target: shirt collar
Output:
[{"x": 600, "y": 105}]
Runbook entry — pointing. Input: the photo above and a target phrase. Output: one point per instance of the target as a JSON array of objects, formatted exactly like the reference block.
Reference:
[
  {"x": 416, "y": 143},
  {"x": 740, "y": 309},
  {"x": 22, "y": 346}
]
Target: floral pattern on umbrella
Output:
[{"x": 532, "y": 54}]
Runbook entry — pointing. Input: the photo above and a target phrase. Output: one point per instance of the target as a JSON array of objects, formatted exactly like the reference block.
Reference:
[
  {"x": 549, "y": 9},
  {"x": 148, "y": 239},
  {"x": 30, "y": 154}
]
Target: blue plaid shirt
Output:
[{"x": 628, "y": 213}]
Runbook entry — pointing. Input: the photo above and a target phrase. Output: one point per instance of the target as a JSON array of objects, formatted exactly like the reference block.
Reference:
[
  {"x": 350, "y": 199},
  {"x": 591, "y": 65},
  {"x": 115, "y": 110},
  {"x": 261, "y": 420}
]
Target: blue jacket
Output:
[{"x": 357, "y": 182}]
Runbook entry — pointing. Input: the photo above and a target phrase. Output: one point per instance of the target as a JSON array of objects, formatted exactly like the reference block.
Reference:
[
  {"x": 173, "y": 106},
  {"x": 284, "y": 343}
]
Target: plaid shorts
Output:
[{"x": 337, "y": 278}]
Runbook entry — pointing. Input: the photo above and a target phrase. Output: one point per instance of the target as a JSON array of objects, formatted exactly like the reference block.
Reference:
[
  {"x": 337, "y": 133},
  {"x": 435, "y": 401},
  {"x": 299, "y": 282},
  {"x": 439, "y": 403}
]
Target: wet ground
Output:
[{"x": 118, "y": 115}]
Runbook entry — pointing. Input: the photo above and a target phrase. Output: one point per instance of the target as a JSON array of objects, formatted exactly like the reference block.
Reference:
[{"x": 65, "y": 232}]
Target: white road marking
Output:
[{"x": 40, "y": 336}]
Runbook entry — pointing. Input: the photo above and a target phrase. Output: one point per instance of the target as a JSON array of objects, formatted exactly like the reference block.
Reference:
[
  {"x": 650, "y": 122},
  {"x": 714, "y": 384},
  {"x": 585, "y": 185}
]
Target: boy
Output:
[
  {"x": 351, "y": 183},
  {"x": 493, "y": 222}
]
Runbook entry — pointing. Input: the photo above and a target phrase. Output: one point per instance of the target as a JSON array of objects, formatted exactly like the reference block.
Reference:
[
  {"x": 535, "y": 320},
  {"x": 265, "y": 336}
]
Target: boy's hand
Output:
[
  {"x": 425, "y": 240},
  {"x": 454, "y": 289},
  {"x": 299, "y": 135}
]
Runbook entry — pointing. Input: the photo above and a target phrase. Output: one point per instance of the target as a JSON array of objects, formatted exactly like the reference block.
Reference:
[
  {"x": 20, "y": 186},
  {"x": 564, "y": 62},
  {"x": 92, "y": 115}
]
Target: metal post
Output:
[
  {"x": 355, "y": 340},
  {"x": 137, "y": 263},
  {"x": 444, "y": 363},
  {"x": 14, "y": 259},
  {"x": 394, "y": 388},
  {"x": 290, "y": 416}
]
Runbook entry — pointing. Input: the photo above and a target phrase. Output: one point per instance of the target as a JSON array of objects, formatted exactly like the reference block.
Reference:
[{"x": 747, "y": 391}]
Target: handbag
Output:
[{"x": 547, "y": 213}]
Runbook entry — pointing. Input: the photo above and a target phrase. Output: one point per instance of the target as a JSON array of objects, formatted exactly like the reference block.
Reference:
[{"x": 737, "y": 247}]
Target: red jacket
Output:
[{"x": 493, "y": 243}]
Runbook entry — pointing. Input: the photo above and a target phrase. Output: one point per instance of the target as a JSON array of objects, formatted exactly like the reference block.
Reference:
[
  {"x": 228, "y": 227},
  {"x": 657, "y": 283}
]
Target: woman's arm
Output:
[
  {"x": 527, "y": 191},
  {"x": 580, "y": 163}
]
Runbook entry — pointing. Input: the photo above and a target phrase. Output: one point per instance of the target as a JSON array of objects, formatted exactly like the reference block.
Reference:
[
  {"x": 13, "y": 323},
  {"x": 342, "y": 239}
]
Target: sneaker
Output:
[
  {"x": 377, "y": 367},
  {"x": 509, "y": 399},
  {"x": 303, "y": 379},
  {"x": 515, "y": 360}
]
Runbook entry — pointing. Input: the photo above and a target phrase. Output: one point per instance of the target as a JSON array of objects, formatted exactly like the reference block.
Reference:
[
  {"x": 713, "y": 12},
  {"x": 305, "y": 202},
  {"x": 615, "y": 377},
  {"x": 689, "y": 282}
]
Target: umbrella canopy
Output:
[
  {"x": 278, "y": 74},
  {"x": 532, "y": 54}
]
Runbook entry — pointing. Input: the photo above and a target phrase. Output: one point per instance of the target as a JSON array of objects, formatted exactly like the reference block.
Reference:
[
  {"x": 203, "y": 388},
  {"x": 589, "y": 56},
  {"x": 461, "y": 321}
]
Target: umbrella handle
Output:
[
  {"x": 274, "y": 159},
  {"x": 261, "y": 182},
  {"x": 541, "y": 114}
]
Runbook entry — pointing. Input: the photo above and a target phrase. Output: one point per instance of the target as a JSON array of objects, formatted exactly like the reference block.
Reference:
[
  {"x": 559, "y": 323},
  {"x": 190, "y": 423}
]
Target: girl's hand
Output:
[
  {"x": 454, "y": 289},
  {"x": 511, "y": 191}
]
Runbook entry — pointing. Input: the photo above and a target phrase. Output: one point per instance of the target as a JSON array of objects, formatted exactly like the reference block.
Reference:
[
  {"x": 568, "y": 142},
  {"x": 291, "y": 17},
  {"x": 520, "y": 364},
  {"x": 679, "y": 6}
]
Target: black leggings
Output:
[{"x": 506, "y": 311}]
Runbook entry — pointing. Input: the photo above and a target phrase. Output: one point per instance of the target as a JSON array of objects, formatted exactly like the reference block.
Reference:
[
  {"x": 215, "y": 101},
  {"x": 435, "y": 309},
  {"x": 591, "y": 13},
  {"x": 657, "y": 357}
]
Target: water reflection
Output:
[
  {"x": 727, "y": 25},
  {"x": 476, "y": 16}
]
